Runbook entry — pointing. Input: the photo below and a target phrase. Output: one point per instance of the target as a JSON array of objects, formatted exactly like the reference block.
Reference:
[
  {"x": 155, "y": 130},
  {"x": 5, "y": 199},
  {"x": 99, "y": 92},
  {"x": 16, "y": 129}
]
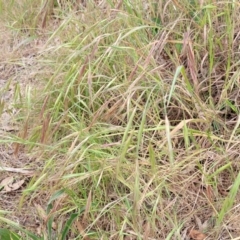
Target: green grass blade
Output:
[
  {"x": 6, "y": 234},
  {"x": 68, "y": 225},
  {"x": 228, "y": 202}
]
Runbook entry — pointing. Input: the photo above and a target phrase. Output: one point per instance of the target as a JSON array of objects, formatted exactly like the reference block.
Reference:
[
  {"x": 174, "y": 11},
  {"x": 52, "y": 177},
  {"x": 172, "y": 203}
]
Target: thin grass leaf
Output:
[
  {"x": 6, "y": 234},
  {"x": 228, "y": 202},
  {"x": 34, "y": 185},
  {"x": 169, "y": 141},
  {"x": 221, "y": 169},
  {"x": 19, "y": 228},
  {"x": 49, "y": 227},
  {"x": 55, "y": 196},
  {"x": 68, "y": 225},
  {"x": 173, "y": 85}
]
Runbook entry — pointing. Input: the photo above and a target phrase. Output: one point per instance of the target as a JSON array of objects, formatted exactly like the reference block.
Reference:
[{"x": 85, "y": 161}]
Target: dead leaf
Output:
[
  {"x": 8, "y": 184},
  {"x": 188, "y": 51},
  {"x": 17, "y": 170},
  {"x": 6, "y": 181},
  {"x": 81, "y": 229},
  {"x": 88, "y": 205},
  {"x": 10, "y": 128},
  {"x": 146, "y": 230},
  {"x": 185, "y": 234},
  {"x": 209, "y": 193},
  {"x": 201, "y": 226},
  {"x": 196, "y": 235},
  {"x": 39, "y": 230},
  {"x": 41, "y": 212},
  {"x": 45, "y": 128},
  {"x": 17, "y": 185},
  {"x": 6, "y": 123}
]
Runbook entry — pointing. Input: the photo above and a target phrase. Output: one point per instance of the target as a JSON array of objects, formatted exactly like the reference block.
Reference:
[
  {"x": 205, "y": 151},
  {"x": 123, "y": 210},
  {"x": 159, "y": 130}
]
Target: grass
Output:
[{"x": 130, "y": 112}]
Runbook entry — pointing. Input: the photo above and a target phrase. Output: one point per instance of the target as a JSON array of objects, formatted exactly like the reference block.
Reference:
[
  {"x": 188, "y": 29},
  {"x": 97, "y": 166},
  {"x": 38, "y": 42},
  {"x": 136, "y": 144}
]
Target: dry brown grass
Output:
[{"x": 131, "y": 110}]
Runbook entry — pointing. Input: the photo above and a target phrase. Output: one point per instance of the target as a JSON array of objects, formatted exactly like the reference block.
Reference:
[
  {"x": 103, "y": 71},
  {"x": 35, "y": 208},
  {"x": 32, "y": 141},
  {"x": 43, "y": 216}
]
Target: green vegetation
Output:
[{"x": 129, "y": 111}]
